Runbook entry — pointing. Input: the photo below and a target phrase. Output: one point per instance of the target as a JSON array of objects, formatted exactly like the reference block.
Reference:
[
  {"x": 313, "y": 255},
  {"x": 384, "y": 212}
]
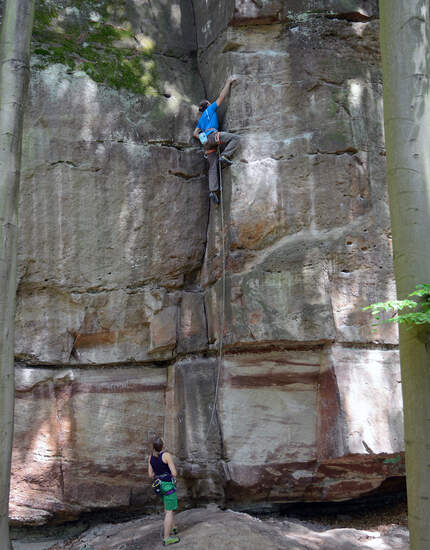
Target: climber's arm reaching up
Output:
[{"x": 224, "y": 91}]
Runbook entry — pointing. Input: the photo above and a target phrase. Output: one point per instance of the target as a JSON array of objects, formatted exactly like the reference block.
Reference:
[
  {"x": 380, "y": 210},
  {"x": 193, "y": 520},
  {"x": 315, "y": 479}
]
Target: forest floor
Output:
[{"x": 382, "y": 528}]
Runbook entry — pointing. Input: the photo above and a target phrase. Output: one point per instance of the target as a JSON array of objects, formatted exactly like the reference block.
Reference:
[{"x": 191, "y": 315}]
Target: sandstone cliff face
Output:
[{"x": 120, "y": 288}]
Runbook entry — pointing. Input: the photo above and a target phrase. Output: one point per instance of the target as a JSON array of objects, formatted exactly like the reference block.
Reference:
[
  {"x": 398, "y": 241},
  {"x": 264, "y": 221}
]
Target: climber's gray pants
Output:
[{"x": 228, "y": 145}]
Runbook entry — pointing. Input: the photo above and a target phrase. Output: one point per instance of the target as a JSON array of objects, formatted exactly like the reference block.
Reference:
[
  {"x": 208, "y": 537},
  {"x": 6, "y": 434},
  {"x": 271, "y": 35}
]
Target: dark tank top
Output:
[{"x": 161, "y": 470}]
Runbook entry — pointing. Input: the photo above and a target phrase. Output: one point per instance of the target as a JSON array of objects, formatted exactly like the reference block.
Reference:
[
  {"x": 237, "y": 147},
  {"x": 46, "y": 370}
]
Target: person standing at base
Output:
[
  {"x": 207, "y": 132},
  {"x": 161, "y": 466}
]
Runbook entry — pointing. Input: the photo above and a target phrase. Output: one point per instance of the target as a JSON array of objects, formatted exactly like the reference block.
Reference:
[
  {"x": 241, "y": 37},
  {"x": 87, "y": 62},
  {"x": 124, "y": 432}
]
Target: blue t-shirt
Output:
[{"x": 209, "y": 119}]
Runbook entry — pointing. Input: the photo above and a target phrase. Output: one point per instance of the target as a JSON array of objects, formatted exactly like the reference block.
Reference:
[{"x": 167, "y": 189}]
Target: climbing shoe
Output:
[
  {"x": 173, "y": 531},
  {"x": 224, "y": 161},
  {"x": 214, "y": 196},
  {"x": 170, "y": 540}
]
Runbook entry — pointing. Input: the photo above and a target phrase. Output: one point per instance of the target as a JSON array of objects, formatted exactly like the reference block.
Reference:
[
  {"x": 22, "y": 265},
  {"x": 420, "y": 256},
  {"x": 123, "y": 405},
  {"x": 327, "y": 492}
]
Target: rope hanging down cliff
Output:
[
  {"x": 219, "y": 147},
  {"x": 223, "y": 295}
]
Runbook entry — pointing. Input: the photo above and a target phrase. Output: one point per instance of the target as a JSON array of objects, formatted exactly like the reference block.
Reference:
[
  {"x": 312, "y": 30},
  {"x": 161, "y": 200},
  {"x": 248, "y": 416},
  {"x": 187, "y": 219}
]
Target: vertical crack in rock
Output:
[
  {"x": 221, "y": 437},
  {"x": 197, "y": 47},
  {"x": 202, "y": 80},
  {"x": 217, "y": 365},
  {"x": 60, "y": 398},
  {"x": 73, "y": 351},
  {"x": 205, "y": 313}
]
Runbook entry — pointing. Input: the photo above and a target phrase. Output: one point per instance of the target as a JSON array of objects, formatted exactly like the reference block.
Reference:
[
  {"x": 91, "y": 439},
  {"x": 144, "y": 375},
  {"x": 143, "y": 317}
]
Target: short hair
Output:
[
  {"x": 158, "y": 444},
  {"x": 203, "y": 105}
]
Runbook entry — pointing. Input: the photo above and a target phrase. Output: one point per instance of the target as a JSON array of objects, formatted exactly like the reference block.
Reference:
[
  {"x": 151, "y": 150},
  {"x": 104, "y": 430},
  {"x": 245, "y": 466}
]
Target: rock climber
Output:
[
  {"x": 207, "y": 132},
  {"x": 161, "y": 467}
]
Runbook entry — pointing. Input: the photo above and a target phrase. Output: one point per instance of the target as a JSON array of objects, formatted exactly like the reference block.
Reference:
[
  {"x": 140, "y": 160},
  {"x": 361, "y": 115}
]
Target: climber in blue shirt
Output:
[
  {"x": 208, "y": 122},
  {"x": 207, "y": 132}
]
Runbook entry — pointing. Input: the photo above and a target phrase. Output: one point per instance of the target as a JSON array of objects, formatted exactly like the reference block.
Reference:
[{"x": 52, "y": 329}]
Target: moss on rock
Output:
[{"x": 95, "y": 37}]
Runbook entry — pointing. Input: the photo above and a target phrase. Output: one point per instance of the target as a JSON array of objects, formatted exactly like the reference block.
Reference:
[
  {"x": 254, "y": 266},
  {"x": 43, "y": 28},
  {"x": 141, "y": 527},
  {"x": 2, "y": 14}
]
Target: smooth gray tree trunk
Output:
[
  {"x": 405, "y": 28},
  {"x": 15, "y": 35}
]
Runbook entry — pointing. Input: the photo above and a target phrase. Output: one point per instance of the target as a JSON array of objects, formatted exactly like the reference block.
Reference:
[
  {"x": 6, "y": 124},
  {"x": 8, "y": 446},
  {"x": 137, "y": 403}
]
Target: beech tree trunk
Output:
[
  {"x": 405, "y": 28},
  {"x": 15, "y": 35}
]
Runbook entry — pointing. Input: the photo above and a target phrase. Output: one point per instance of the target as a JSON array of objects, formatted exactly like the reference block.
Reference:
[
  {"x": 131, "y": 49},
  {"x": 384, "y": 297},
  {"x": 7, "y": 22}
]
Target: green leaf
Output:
[
  {"x": 420, "y": 316},
  {"x": 394, "y": 460}
]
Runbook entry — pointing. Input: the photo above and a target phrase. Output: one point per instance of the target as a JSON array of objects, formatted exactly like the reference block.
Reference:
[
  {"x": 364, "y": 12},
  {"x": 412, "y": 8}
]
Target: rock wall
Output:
[{"x": 120, "y": 287}]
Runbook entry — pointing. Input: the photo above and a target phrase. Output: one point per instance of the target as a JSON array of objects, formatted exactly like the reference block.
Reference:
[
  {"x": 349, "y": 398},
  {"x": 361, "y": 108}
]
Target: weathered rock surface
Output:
[
  {"x": 228, "y": 529},
  {"x": 120, "y": 286},
  {"x": 334, "y": 440},
  {"x": 308, "y": 227},
  {"x": 86, "y": 446}
]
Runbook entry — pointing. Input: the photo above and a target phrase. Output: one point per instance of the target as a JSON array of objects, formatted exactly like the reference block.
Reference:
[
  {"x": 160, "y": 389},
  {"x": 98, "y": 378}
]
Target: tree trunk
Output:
[
  {"x": 405, "y": 27},
  {"x": 17, "y": 23}
]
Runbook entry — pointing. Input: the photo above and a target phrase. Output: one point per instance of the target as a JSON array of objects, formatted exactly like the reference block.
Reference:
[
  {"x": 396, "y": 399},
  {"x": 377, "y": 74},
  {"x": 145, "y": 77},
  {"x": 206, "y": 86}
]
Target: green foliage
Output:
[
  {"x": 394, "y": 460},
  {"x": 43, "y": 16},
  {"x": 399, "y": 309},
  {"x": 94, "y": 37}
]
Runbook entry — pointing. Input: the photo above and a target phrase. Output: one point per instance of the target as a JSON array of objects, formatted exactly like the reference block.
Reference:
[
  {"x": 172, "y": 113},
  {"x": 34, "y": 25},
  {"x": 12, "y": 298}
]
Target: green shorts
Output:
[{"x": 170, "y": 501}]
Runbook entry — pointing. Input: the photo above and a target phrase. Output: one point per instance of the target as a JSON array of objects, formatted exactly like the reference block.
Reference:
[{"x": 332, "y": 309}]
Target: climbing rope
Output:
[{"x": 222, "y": 316}]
